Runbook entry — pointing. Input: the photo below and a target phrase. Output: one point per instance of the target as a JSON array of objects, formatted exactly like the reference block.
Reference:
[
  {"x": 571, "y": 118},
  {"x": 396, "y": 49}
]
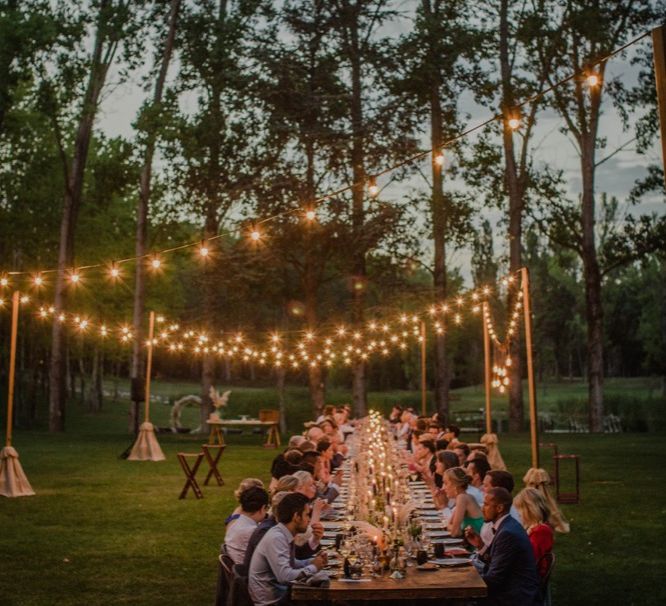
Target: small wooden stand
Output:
[
  {"x": 567, "y": 497},
  {"x": 190, "y": 473},
  {"x": 213, "y": 462}
]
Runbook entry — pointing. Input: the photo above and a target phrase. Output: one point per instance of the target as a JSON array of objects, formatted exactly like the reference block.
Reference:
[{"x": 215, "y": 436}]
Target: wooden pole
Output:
[
  {"x": 486, "y": 367},
  {"x": 534, "y": 429},
  {"x": 424, "y": 393},
  {"x": 149, "y": 365},
  {"x": 12, "y": 367},
  {"x": 659, "y": 53}
]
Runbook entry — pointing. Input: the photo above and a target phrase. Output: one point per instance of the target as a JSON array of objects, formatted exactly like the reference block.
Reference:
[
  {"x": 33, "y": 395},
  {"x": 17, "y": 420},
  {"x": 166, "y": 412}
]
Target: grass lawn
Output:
[{"x": 102, "y": 530}]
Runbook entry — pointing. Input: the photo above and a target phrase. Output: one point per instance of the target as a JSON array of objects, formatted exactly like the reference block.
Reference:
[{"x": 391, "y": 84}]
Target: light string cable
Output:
[{"x": 255, "y": 234}]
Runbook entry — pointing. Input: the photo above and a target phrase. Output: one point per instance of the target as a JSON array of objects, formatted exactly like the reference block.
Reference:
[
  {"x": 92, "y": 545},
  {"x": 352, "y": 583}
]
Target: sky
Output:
[{"x": 616, "y": 176}]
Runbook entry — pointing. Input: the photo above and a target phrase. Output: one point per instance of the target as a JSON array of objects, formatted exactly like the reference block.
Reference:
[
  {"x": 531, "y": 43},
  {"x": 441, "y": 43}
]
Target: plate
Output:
[
  {"x": 452, "y": 561},
  {"x": 327, "y": 542},
  {"x": 440, "y": 534},
  {"x": 427, "y": 566}
]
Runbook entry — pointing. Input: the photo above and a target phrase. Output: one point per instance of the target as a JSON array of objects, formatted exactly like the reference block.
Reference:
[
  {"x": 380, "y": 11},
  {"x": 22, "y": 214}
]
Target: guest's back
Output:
[{"x": 511, "y": 575}]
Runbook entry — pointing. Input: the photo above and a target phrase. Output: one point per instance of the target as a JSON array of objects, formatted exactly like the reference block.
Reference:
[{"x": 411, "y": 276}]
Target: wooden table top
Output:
[{"x": 463, "y": 582}]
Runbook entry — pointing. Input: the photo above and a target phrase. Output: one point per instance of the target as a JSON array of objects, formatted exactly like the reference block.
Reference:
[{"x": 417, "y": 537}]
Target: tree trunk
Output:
[
  {"x": 359, "y": 388},
  {"x": 280, "y": 375},
  {"x": 137, "y": 365},
  {"x": 593, "y": 306},
  {"x": 316, "y": 374},
  {"x": 101, "y": 60},
  {"x": 515, "y": 195},
  {"x": 439, "y": 229}
]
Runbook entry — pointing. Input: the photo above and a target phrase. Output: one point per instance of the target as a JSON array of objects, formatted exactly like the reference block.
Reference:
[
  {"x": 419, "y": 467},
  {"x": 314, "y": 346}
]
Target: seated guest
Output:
[
  {"x": 444, "y": 459},
  {"x": 424, "y": 460},
  {"x": 286, "y": 463},
  {"x": 314, "y": 434},
  {"x": 451, "y": 433},
  {"x": 462, "y": 452},
  {"x": 329, "y": 411},
  {"x": 509, "y": 571},
  {"x": 253, "y": 502},
  {"x": 273, "y": 567},
  {"x": 243, "y": 486},
  {"x": 477, "y": 469},
  {"x": 495, "y": 478},
  {"x": 286, "y": 484},
  {"x": 441, "y": 444},
  {"x": 304, "y": 549},
  {"x": 295, "y": 442},
  {"x": 534, "y": 512},
  {"x": 466, "y": 511},
  {"x": 395, "y": 414}
]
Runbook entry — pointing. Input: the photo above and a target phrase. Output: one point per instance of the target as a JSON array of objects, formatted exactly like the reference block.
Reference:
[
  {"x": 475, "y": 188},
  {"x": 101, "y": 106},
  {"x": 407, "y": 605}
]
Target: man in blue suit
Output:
[{"x": 510, "y": 571}]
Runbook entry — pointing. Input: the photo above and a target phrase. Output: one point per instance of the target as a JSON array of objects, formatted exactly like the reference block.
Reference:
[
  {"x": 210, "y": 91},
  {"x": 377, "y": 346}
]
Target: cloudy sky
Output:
[{"x": 616, "y": 176}]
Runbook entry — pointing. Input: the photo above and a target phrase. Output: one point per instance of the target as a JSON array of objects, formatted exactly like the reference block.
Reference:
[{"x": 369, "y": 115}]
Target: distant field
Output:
[{"x": 637, "y": 400}]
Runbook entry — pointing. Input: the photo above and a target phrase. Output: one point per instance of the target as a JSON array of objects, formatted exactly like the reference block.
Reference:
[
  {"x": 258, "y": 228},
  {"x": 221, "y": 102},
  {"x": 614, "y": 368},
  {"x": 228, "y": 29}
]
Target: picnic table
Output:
[{"x": 267, "y": 419}]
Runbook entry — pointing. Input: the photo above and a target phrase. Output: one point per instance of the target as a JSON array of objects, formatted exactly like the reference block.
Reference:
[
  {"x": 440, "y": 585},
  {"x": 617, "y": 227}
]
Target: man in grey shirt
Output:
[{"x": 274, "y": 566}]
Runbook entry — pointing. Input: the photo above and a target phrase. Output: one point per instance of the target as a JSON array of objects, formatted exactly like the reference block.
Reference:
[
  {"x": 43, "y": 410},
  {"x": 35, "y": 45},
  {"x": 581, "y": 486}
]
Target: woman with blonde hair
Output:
[
  {"x": 466, "y": 511},
  {"x": 535, "y": 513}
]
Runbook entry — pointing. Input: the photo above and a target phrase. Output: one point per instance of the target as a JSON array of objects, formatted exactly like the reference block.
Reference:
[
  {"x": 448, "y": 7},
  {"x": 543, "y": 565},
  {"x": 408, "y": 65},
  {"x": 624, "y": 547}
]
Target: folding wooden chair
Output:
[
  {"x": 268, "y": 415},
  {"x": 190, "y": 473},
  {"x": 213, "y": 462}
]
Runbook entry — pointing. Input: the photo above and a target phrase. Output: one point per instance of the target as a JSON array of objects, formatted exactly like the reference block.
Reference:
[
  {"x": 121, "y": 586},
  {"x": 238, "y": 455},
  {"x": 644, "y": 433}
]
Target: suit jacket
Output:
[{"x": 511, "y": 573}]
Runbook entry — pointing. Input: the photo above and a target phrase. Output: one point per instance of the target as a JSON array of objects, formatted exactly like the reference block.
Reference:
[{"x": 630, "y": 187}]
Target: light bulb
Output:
[
  {"x": 592, "y": 80},
  {"x": 310, "y": 215},
  {"x": 74, "y": 278},
  {"x": 156, "y": 263},
  {"x": 255, "y": 235},
  {"x": 373, "y": 188},
  {"x": 38, "y": 280},
  {"x": 514, "y": 123},
  {"x": 4, "y": 281},
  {"x": 439, "y": 159}
]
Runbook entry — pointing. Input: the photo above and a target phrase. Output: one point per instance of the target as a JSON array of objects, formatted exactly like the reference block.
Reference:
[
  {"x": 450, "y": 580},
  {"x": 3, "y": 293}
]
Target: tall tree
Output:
[
  {"x": 214, "y": 151},
  {"x": 573, "y": 36},
  {"x": 370, "y": 120},
  {"x": 435, "y": 69},
  {"x": 113, "y": 21},
  {"x": 302, "y": 94},
  {"x": 148, "y": 123}
]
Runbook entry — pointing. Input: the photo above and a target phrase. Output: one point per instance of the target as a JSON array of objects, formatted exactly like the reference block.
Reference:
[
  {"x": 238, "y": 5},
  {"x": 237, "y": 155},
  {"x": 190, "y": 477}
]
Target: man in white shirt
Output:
[
  {"x": 477, "y": 469},
  {"x": 254, "y": 503},
  {"x": 274, "y": 565}
]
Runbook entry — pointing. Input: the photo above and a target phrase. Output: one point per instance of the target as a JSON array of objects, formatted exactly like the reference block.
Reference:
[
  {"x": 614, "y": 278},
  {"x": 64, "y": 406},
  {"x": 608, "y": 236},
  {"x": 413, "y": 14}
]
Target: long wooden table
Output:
[{"x": 445, "y": 583}]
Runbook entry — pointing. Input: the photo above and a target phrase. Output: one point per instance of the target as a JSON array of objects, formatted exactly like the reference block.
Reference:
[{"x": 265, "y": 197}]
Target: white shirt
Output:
[
  {"x": 477, "y": 493},
  {"x": 487, "y": 534},
  {"x": 238, "y": 536},
  {"x": 273, "y": 568}
]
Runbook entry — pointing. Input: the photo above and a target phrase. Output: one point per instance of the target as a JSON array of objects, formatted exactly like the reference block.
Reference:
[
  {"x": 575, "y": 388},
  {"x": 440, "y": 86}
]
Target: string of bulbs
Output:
[
  {"x": 324, "y": 346},
  {"x": 512, "y": 118}
]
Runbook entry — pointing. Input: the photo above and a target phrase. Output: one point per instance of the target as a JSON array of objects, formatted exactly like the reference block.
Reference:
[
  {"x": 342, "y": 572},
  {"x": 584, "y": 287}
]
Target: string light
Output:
[
  {"x": 204, "y": 251},
  {"x": 155, "y": 263},
  {"x": 74, "y": 277},
  {"x": 373, "y": 188},
  {"x": 439, "y": 158},
  {"x": 310, "y": 215},
  {"x": 114, "y": 271},
  {"x": 4, "y": 281},
  {"x": 514, "y": 122},
  {"x": 592, "y": 80},
  {"x": 38, "y": 281},
  {"x": 255, "y": 235}
]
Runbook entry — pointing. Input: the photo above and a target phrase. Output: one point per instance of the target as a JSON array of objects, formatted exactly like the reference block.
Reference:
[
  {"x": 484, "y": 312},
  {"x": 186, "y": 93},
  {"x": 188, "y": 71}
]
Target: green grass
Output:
[{"x": 102, "y": 530}]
